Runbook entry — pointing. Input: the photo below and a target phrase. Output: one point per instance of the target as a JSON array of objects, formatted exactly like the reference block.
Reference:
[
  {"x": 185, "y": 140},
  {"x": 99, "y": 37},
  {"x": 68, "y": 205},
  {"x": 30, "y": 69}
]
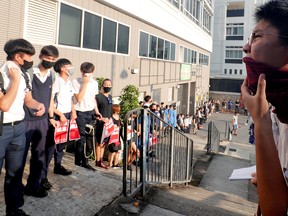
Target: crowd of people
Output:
[{"x": 33, "y": 102}]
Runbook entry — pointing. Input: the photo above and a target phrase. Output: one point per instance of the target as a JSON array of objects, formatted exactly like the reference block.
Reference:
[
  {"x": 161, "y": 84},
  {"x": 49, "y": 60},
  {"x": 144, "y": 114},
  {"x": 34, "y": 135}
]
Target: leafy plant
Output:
[
  {"x": 129, "y": 99},
  {"x": 99, "y": 80}
]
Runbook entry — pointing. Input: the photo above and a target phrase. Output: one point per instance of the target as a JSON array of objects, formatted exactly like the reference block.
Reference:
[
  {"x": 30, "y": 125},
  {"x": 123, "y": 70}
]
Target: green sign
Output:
[{"x": 185, "y": 72}]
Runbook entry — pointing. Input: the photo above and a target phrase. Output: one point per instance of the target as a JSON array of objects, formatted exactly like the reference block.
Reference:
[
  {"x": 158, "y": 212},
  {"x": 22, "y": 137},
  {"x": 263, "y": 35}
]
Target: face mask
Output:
[
  {"x": 70, "y": 71},
  {"x": 106, "y": 89},
  {"x": 26, "y": 65},
  {"x": 90, "y": 76},
  {"x": 47, "y": 64},
  {"x": 276, "y": 85}
]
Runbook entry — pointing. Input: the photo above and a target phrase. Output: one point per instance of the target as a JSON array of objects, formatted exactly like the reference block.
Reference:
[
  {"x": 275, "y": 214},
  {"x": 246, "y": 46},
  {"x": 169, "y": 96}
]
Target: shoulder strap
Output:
[
  {"x": 1, "y": 113},
  {"x": 25, "y": 75},
  {"x": 2, "y": 84},
  {"x": 53, "y": 74}
]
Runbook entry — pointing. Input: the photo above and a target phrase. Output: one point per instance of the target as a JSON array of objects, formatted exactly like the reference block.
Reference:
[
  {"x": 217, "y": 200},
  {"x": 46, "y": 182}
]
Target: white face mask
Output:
[
  {"x": 71, "y": 71},
  {"x": 89, "y": 75}
]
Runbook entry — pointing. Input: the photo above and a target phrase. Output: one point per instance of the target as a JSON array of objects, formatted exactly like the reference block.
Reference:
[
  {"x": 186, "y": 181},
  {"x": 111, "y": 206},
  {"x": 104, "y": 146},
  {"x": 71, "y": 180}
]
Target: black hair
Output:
[
  {"x": 276, "y": 13},
  {"x": 147, "y": 98},
  {"x": 106, "y": 79},
  {"x": 49, "y": 50},
  {"x": 60, "y": 63},
  {"x": 87, "y": 67},
  {"x": 16, "y": 46}
]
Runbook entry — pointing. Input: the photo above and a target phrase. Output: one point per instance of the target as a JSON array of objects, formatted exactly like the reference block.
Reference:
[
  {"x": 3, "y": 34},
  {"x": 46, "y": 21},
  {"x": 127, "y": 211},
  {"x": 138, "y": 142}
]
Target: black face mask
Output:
[
  {"x": 106, "y": 89},
  {"x": 26, "y": 65},
  {"x": 47, "y": 64}
]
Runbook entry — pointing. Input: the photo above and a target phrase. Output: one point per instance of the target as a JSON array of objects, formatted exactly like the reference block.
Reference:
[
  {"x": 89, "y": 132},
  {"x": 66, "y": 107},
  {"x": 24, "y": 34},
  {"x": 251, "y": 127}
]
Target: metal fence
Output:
[
  {"x": 165, "y": 153},
  {"x": 213, "y": 140}
]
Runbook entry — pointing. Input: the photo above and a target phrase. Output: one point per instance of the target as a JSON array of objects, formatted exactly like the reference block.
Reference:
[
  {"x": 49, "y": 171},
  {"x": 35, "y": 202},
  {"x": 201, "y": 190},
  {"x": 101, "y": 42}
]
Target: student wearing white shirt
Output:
[
  {"x": 85, "y": 87},
  {"x": 63, "y": 108},
  {"x": 15, "y": 94},
  {"x": 37, "y": 127}
]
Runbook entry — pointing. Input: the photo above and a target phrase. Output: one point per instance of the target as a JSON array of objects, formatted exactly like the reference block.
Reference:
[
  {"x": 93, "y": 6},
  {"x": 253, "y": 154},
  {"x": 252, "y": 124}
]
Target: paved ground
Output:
[{"x": 88, "y": 193}]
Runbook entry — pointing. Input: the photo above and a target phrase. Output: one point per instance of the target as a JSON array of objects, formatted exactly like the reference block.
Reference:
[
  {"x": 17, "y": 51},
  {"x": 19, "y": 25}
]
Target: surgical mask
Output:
[
  {"x": 89, "y": 75},
  {"x": 106, "y": 89},
  {"x": 276, "y": 85},
  {"x": 47, "y": 64},
  {"x": 26, "y": 65},
  {"x": 70, "y": 71}
]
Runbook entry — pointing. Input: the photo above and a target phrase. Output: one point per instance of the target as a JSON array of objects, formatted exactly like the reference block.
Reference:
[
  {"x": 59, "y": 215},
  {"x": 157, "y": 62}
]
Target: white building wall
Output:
[
  {"x": 218, "y": 64},
  {"x": 167, "y": 17}
]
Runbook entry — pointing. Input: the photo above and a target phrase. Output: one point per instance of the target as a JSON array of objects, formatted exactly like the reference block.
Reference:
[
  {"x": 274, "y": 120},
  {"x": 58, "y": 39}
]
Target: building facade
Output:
[
  {"x": 233, "y": 23},
  {"x": 161, "y": 46}
]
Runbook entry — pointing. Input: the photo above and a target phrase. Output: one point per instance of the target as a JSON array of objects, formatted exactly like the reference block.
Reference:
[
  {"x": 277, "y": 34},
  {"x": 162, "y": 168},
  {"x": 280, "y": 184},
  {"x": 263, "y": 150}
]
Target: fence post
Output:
[
  {"x": 143, "y": 151},
  {"x": 171, "y": 155},
  {"x": 209, "y": 137},
  {"x": 187, "y": 161}
]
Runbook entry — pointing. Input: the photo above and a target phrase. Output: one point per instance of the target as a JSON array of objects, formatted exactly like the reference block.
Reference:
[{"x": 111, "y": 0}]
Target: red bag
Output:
[
  {"x": 61, "y": 133},
  {"x": 107, "y": 129},
  {"x": 114, "y": 137},
  {"x": 73, "y": 132}
]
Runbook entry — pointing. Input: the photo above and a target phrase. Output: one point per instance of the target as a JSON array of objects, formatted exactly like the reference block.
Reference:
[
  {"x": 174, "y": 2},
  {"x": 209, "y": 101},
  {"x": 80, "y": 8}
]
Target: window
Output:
[
  {"x": 114, "y": 38},
  {"x": 167, "y": 50},
  {"x": 123, "y": 39},
  {"x": 156, "y": 95},
  {"x": 206, "y": 20},
  {"x": 230, "y": 71},
  {"x": 170, "y": 94},
  {"x": 156, "y": 47},
  {"x": 187, "y": 55},
  {"x": 240, "y": 72},
  {"x": 233, "y": 54},
  {"x": 92, "y": 31},
  {"x": 70, "y": 26},
  {"x": 143, "y": 45},
  {"x": 203, "y": 59},
  {"x": 235, "y": 9},
  {"x": 160, "y": 48},
  {"x": 235, "y": 71},
  {"x": 225, "y": 71},
  {"x": 173, "y": 48},
  {"x": 234, "y": 29},
  {"x": 109, "y": 35},
  {"x": 191, "y": 9},
  {"x": 152, "y": 47}
]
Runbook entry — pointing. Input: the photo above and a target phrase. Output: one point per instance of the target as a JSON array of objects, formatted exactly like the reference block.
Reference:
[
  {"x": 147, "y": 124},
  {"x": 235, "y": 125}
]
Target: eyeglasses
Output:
[{"x": 254, "y": 35}]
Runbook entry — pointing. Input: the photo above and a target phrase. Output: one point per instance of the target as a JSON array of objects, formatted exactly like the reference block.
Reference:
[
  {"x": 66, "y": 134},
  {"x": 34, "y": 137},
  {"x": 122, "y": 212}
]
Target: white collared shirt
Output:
[
  {"x": 280, "y": 134},
  {"x": 88, "y": 102},
  {"x": 64, "y": 92},
  {"x": 42, "y": 77},
  {"x": 16, "y": 111}
]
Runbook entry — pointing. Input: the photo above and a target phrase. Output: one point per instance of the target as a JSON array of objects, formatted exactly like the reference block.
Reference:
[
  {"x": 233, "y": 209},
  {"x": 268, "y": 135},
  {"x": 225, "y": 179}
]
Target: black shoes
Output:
[
  {"x": 46, "y": 184},
  {"x": 60, "y": 170},
  {"x": 19, "y": 212},
  {"x": 87, "y": 166},
  {"x": 39, "y": 192}
]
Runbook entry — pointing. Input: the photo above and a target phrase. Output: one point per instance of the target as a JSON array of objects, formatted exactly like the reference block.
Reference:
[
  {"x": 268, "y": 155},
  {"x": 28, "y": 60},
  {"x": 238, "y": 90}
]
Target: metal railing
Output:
[
  {"x": 213, "y": 140},
  {"x": 166, "y": 154}
]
